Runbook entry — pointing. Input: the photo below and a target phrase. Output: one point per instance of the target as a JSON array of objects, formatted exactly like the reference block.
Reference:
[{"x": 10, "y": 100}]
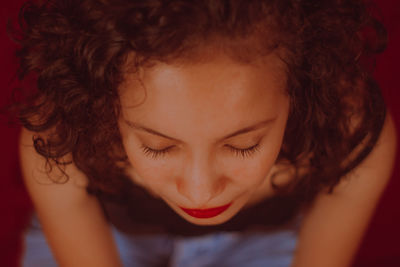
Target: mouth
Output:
[{"x": 206, "y": 213}]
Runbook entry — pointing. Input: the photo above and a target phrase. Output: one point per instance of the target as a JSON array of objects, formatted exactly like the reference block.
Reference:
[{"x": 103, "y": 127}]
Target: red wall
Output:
[
  {"x": 381, "y": 246},
  {"x": 14, "y": 203}
]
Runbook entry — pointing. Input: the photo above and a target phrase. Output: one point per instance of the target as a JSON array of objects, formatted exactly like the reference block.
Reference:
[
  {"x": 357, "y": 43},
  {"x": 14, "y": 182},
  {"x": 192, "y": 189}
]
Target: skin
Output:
[
  {"x": 189, "y": 112},
  {"x": 198, "y": 104}
]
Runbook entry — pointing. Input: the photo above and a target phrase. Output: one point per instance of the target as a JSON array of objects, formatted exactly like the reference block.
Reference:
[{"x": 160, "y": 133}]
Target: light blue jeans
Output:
[{"x": 223, "y": 249}]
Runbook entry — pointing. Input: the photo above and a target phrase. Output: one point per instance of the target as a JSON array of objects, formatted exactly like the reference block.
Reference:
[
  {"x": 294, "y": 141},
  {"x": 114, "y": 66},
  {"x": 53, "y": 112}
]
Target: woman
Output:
[{"x": 201, "y": 130}]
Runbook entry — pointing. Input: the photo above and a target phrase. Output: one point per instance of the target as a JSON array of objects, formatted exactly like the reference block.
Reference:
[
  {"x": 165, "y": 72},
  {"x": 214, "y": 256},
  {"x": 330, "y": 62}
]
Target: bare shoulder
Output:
[
  {"x": 335, "y": 224},
  {"x": 47, "y": 178},
  {"x": 72, "y": 220},
  {"x": 372, "y": 175}
]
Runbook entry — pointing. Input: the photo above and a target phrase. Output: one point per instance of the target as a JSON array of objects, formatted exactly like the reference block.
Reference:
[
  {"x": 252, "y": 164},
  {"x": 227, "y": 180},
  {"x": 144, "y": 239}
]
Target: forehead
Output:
[{"x": 216, "y": 93}]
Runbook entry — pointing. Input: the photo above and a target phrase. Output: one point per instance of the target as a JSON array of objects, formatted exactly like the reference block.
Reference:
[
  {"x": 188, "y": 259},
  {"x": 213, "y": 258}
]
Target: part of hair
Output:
[{"x": 79, "y": 50}]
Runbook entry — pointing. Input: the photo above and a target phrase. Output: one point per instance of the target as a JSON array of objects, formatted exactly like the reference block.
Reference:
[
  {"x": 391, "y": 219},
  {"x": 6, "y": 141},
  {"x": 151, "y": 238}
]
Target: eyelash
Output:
[
  {"x": 245, "y": 152},
  {"x": 154, "y": 153}
]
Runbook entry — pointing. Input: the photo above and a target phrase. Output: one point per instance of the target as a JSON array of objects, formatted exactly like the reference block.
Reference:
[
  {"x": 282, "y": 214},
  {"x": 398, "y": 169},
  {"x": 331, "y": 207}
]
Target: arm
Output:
[
  {"x": 72, "y": 220},
  {"x": 334, "y": 226}
]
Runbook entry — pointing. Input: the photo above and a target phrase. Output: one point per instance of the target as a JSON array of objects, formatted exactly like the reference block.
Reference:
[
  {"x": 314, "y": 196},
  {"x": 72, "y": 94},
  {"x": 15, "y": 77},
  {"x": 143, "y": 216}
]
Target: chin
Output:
[{"x": 220, "y": 219}]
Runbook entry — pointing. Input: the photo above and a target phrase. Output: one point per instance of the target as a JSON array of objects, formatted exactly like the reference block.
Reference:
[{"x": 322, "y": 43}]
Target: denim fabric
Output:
[{"x": 222, "y": 249}]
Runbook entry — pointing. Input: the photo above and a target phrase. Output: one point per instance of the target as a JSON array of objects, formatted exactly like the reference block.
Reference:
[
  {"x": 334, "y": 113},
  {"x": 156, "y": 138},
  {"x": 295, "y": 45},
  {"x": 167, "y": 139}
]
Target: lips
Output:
[{"x": 206, "y": 213}]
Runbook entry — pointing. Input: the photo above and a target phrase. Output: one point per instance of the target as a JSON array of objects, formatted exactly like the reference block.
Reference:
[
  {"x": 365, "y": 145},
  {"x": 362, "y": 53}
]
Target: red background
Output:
[{"x": 381, "y": 245}]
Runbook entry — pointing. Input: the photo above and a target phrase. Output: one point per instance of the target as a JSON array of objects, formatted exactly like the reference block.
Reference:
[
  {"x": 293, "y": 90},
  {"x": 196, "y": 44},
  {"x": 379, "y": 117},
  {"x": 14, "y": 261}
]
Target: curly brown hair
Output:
[{"x": 79, "y": 51}]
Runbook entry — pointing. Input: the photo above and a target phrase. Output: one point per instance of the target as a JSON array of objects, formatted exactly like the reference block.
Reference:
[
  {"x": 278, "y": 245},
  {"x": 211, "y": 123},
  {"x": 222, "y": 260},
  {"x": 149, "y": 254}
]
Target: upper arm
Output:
[
  {"x": 333, "y": 227},
  {"x": 72, "y": 220}
]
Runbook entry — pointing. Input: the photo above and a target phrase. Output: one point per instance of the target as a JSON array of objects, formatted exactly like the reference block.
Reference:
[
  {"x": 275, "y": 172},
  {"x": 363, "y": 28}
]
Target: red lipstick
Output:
[{"x": 206, "y": 213}]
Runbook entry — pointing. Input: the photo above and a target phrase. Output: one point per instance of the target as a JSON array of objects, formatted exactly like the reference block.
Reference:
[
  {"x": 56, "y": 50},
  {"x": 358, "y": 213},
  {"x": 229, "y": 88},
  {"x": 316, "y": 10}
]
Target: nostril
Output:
[{"x": 200, "y": 193}]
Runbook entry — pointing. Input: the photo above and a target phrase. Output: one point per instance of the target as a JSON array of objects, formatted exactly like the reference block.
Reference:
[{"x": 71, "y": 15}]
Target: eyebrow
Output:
[{"x": 244, "y": 130}]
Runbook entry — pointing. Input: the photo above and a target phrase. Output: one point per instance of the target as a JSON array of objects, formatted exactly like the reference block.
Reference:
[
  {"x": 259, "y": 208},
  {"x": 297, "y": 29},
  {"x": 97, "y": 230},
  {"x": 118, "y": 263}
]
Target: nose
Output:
[{"x": 199, "y": 182}]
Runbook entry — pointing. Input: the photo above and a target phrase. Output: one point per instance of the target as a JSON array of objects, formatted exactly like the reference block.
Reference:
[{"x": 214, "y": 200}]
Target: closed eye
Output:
[
  {"x": 244, "y": 152},
  {"x": 155, "y": 153},
  {"x": 241, "y": 152}
]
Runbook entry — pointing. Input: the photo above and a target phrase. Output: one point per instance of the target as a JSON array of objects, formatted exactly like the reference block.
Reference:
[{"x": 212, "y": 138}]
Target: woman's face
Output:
[{"x": 204, "y": 136}]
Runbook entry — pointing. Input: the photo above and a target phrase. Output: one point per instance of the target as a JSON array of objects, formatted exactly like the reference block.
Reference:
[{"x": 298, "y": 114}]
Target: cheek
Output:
[
  {"x": 249, "y": 174},
  {"x": 146, "y": 171},
  {"x": 154, "y": 177},
  {"x": 254, "y": 171}
]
